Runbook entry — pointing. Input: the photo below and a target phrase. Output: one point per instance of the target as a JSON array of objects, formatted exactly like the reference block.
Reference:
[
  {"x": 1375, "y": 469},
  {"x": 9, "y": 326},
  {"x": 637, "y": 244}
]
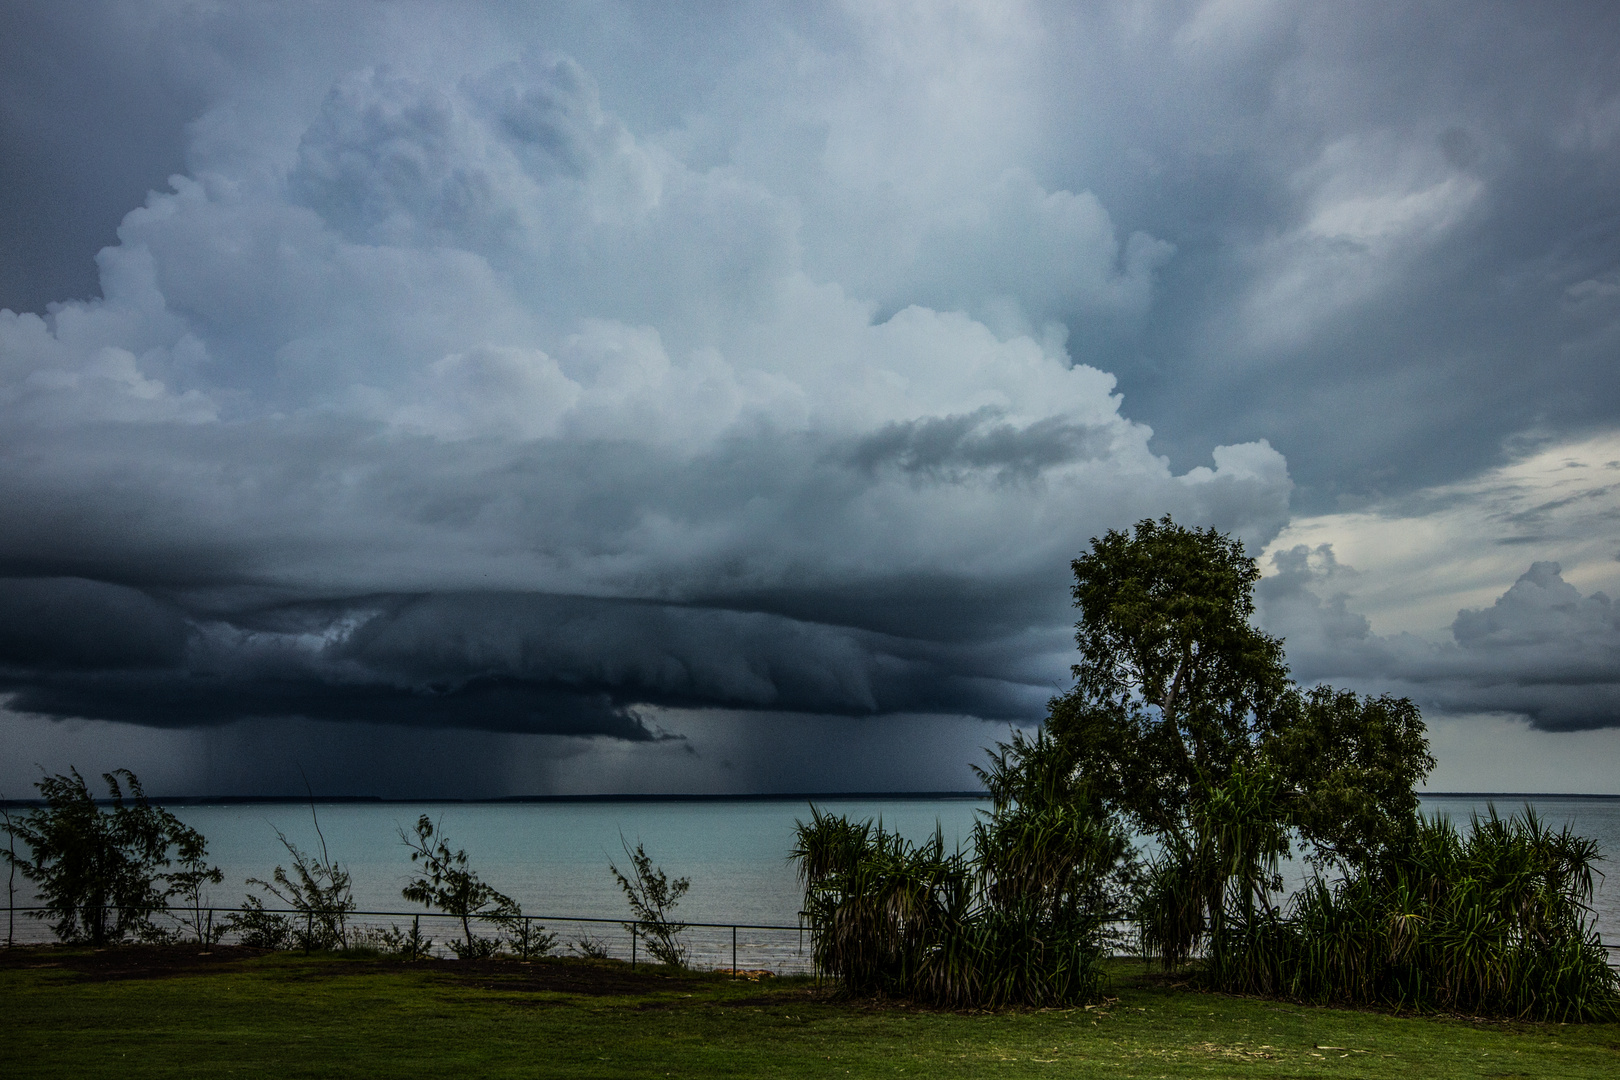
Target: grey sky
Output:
[{"x": 626, "y": 391}]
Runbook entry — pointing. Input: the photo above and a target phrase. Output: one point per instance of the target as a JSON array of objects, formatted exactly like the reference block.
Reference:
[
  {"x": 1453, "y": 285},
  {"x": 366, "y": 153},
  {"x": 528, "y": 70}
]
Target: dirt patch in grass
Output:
[
  {"x": 560, "y": 976},
  {"x": 549, "y": 975},
  {"x": 129, "y": 961}
]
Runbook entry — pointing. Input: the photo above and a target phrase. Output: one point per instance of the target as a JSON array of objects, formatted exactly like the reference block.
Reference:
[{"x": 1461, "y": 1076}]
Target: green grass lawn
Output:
[{"x": 139, "y": 1013}]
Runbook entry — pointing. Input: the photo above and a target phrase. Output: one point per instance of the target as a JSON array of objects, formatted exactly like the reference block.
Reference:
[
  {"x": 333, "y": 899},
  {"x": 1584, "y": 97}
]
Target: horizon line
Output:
[
  {"x": 692, "y": 796},
  {"x": 762, "y": 796}
]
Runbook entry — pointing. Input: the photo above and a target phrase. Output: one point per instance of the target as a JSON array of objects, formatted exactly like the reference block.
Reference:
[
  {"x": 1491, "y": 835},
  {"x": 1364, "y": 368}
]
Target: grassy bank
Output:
[{"x": 170, "y": 1012}]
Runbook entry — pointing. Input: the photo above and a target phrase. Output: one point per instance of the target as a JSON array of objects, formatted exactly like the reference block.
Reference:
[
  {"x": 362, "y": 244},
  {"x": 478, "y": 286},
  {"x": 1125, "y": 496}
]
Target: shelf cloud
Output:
[{"x": 398, "y": 436}]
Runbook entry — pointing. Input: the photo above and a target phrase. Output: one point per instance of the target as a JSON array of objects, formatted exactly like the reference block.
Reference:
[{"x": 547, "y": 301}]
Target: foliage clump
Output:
[
  {"x": 98, "y": 870},
  {"x": 450, "y": 884},
  {"x": 1494, "y": 921},
  {"x": 317, "y": 889},
  {"x": 652, "y": 897},
  {"x": 1024, "y": 919},
  {"x": 259, "y": 928}
]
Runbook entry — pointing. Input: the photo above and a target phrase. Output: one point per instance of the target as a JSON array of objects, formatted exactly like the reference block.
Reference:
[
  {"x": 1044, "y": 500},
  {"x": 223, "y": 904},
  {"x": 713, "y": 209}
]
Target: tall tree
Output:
[
  {"x": 1175, "y": 688},
  {"x": 1184, "y": 718}
]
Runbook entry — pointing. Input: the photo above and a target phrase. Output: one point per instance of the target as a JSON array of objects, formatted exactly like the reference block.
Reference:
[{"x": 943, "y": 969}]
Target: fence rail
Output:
[{"x": 749, "y": 947}]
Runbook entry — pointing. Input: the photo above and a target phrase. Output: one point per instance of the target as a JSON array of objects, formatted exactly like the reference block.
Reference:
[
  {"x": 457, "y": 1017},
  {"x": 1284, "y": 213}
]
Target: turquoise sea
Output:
[{"x": 553, "y": 856}]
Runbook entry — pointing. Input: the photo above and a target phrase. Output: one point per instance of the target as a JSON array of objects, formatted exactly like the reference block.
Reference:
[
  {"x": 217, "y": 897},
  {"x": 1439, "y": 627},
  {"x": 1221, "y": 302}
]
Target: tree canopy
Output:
[
  {"x": 1174, "y": 687},
  {"x": 1178, "y": 695}
]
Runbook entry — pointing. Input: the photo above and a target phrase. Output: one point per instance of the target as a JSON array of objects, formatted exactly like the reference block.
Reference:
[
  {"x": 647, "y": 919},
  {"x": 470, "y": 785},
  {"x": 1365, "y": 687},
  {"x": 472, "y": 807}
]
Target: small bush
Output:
[
  {"x": 317, "y": 890},
  {"x": 452, "y": 886},
  {"x": 529, "y": 938},
  {"x": 588, "y": 947},
  {"x": 406, "y": 944},
  {"x": 257, "y": 928},
  {"x": 652, "y": 896}
]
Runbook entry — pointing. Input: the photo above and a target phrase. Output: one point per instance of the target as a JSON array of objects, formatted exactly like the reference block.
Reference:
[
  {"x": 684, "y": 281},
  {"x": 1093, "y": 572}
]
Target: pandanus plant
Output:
[
  {"x": 1492, "y": 920},
  {"x": 1020, "y": 919}
]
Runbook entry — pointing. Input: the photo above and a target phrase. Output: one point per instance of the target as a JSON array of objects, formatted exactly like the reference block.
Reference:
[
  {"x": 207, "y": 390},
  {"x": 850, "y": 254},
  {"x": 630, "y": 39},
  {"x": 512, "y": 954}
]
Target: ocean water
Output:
[{"x": 553, "y": 857}]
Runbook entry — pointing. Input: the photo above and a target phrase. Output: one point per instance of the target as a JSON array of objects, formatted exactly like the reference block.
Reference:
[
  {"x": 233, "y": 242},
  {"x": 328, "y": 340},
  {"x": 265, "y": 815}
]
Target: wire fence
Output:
[{"x": 743, "y": 948}]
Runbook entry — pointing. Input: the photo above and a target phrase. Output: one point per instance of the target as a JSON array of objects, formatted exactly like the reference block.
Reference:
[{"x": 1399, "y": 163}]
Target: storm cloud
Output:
[
  {"x": 555, "y": 371},
  {"x": 395, "y": 436},
  {"x": 1542, "y": 650}
]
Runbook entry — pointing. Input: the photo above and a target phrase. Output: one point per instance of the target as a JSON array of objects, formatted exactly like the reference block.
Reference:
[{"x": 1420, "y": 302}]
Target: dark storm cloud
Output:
[
  {"x": 501, "y": 662},
  {"x": 70, "y": 623},
  {"x": 182, "y": 699},
  {"x": 678, "y": 656},
  {"x": 1541, "y": 650},
  {"x": 218, "y": 617},
  {"x": 536, "y": 369}
]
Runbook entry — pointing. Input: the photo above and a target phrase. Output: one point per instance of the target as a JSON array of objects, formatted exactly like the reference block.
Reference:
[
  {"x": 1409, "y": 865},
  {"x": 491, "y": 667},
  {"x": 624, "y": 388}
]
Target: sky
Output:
[{"x": 460, "y": 400}]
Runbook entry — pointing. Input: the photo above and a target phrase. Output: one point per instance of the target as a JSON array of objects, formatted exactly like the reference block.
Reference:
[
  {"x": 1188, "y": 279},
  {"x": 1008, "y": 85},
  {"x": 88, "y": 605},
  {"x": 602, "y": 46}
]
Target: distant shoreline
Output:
[
  {"x": 1515, "y": 795},
  {"x": 791, "y": 796}
]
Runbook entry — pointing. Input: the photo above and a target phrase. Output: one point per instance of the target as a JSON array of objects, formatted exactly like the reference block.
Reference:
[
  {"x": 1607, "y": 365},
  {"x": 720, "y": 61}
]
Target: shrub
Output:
[
  {"x": 1495, "y": 922},
  {"x": 452, "y": 886},
  {"x": 651, "y": 897},
  {"x": 98, "y": 870},
  {"x": 317, "y": 890},
  {"x": 529, "y": 938},
  {"x": 407, "y": 944},
  {"x": 588, "y": 947},
  {"x": 1023, "y": 919},
  {"x": 257, "y": 928}
]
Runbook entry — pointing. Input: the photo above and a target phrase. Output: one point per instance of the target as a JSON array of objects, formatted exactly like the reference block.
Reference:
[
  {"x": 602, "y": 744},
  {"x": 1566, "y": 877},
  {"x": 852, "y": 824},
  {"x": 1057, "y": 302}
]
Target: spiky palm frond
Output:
[
  {"x": 1021, "y": 920},
  {"x": 1495, "y": 921}
]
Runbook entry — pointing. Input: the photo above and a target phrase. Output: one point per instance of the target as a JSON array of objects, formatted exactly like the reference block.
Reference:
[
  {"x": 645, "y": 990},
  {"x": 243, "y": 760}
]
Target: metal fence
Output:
[{"x": 746, "y": 948}]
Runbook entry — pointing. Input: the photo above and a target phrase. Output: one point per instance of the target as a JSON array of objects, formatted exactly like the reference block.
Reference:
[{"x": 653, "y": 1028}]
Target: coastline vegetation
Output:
[
  {"x": 1022, "y": 919},
  {"x": 1185, "y": 727},
  {"x": 100, "y": 871},
  {"x": 450, "y": 884},
  {"x": 651, "y": 897}
]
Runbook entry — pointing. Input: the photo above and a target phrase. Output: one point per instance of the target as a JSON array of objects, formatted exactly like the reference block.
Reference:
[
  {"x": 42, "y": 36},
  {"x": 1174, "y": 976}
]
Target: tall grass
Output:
[
  {"x": 1021, "y": 919},
  {"x": 1493, "y": 921},
  {"x": 1223, "y": 866}
]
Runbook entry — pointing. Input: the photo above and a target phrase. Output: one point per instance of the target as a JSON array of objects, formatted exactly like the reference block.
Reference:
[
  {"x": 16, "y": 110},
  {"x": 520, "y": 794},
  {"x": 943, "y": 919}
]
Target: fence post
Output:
[
  {"x": 733, "y": 952},
  {"x": 632, "y": 948}
]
